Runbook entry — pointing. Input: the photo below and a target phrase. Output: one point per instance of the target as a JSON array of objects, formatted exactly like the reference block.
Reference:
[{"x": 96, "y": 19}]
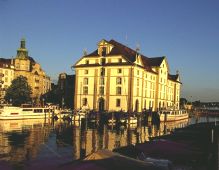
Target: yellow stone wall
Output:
[{"x": 36, "y": 77}]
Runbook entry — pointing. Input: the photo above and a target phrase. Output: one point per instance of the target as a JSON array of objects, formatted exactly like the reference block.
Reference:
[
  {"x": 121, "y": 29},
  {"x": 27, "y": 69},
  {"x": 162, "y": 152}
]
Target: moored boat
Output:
[
  {"x": 64, "y": 114},
  {"x": 172, "y": 115},
  {"x": 24, "y": 112}
]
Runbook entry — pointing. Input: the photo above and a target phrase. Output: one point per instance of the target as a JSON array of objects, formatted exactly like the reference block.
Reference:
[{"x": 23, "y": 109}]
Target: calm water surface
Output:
[{"x": 25, "y": 143}]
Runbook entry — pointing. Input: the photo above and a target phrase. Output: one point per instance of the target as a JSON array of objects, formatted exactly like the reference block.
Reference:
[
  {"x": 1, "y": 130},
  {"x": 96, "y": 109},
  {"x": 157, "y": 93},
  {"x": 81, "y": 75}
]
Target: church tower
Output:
[
  {"x": 22, "y": 52},
  {"x": 22, "y": 61}
]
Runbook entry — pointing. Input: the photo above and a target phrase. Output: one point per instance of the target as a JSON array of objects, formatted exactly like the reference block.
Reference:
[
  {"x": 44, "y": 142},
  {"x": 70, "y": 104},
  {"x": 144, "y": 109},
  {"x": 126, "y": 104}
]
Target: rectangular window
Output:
[
  {"x": 101, "y": 90},
  {"x": 101, "y": 81},
  {"x": 118, "y": 90},
  {"x": 85, "y": 71},
  {"x": 120, "y": 60},
  {"x": 118, "y": 102},
  {"x": 137, "y": 82},
  {"x": 85, "y": 90},
  {"x": 84, "y": 101},
  {"x": 85, "y": 81},
  {"x": 119, "y": 70},
  {"x": 118, "y": 80}
]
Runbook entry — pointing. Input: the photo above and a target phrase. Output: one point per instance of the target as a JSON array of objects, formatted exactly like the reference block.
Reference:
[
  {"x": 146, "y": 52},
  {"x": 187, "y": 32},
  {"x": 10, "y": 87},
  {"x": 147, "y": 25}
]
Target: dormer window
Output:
[
  {"x": 86, "y": 61},
  {"x": 103, "y": 51},
  {"x": 120, "y": 60}
]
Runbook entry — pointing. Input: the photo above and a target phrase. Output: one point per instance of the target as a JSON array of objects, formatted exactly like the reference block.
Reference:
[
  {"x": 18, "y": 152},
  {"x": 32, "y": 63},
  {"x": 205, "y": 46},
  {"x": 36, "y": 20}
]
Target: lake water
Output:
[{"x": 28, "y": 143}]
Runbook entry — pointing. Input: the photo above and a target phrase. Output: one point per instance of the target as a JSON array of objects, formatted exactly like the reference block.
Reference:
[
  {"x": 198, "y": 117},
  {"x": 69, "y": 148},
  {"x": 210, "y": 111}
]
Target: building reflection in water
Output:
[{"x": 22, "y": 140}]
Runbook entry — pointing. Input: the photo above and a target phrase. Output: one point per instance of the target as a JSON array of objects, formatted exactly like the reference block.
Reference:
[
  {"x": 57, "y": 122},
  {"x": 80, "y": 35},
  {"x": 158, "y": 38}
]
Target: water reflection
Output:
[{"x": 25, "y": 141}]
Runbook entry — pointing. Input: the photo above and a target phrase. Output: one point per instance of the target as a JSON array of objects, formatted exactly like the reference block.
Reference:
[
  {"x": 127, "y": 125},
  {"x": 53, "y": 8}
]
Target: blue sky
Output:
[{"x": 57, "y": 31}]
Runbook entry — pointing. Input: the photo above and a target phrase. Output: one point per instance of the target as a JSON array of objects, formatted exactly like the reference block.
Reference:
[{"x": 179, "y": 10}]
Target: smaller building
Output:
[
  {"x": 6, "y": 76},
  {"x": 66, "y": 84}
]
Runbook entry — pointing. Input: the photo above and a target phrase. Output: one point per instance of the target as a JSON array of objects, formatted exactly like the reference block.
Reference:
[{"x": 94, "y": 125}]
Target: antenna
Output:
[
  {"x": 85, "y": 51},
  {"x": 177, "y": 72}
]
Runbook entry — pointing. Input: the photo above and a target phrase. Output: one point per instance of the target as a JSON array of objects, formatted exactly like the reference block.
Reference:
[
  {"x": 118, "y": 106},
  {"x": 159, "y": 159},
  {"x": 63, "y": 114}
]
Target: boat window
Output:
[
  {"x": 46, "y": 110},
  {"x": 27, "y": 110},
  {"x": 38, "y": 110}
]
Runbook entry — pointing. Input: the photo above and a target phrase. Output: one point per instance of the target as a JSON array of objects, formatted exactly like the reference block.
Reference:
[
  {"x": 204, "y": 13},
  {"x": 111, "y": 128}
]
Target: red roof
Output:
[
  {"x": 130, "y": 55},
  {"x": 4, "y": 62},
  {"x": 173, "y": 77}
]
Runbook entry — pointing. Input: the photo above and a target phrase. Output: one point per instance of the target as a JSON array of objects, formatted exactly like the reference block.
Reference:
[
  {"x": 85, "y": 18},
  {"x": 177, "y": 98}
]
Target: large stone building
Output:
[
  {"x": 26, "y": 66},
  {"x": 115, "y": 77}
]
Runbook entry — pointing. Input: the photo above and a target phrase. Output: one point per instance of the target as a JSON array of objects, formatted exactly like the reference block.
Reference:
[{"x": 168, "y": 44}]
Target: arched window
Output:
[{"x": 118, "y": 90}]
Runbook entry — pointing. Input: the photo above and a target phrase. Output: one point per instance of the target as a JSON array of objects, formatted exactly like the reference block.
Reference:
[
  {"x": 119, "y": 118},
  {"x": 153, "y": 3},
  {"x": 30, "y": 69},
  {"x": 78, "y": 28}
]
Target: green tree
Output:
[{"x": 19, "y": 92}]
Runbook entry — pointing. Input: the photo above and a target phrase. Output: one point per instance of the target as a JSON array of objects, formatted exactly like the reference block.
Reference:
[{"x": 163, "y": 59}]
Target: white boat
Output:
[
  {"x": 24, "y": 112},
  {"x": 173, "y": 115},
  {"x": 63, "y": 114}
]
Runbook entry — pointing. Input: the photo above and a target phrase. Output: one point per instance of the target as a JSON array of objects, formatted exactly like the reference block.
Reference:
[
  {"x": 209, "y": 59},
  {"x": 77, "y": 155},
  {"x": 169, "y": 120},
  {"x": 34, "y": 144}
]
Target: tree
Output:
[
  {"x": 54, "y": 96},
  {"x": 19, "y": 92}
]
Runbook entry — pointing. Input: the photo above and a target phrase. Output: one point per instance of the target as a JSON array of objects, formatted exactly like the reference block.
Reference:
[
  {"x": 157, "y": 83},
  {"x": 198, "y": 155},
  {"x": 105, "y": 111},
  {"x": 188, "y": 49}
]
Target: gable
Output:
[{"x": 164, "y": 64}]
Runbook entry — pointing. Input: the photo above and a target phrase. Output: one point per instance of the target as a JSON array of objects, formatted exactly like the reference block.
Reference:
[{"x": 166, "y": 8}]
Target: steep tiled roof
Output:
[
  {"x": 120, "y": 49},
  {"x": 4, "y": 62},
  {"x": 31, "y": 60},
  {"x": 130, "y": 55},
  {"x": 95, "y": 53},
  {"x": 173, "y": 77},
  {"x": 156, "y": 61}
]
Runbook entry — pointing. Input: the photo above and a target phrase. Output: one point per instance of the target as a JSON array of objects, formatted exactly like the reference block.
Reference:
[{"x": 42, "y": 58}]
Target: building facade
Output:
[
  {"x": 115, "y": 77},
  {"x": 66, "y": 87},
  {"x": 6, "y": 76},
  {"x": 26, "y": 66}
]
